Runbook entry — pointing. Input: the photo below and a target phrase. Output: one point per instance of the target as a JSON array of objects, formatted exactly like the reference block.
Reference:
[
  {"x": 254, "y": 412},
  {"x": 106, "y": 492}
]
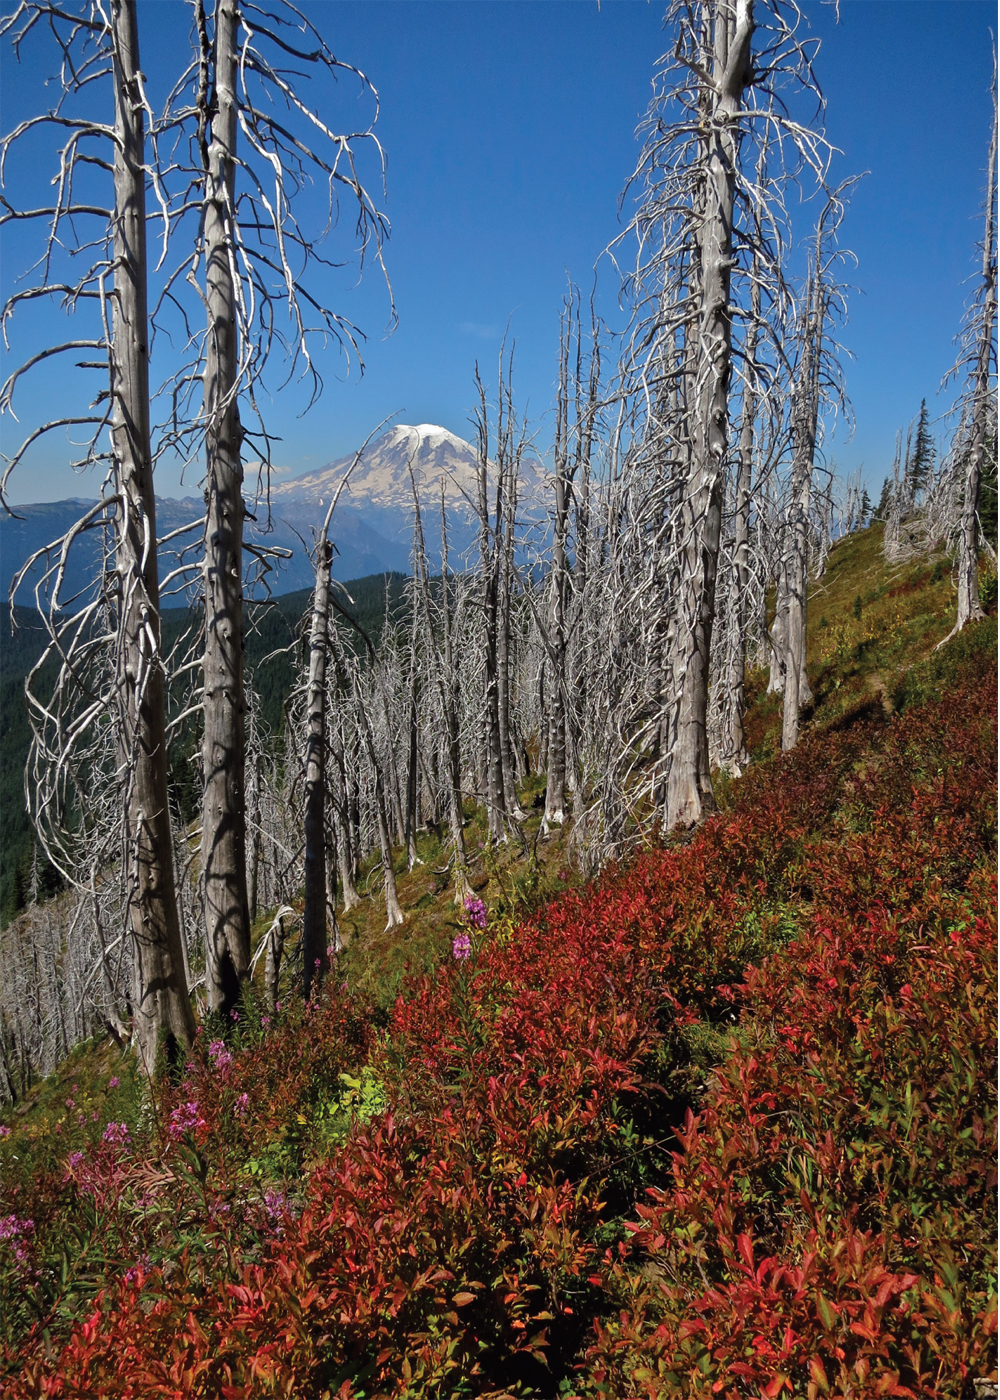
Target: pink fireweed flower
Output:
[
  {"x": 183, "y": 1119},
  {"x": 242, "y": 1104},
  {"x": 113, "y": 1082},
  {"x": 116, "y": 1134},
  {"x": 461, "y": 947},
  {"x": 475, "y": 912},
  {"x": 137, "y": 1273},
  {"x": 220, "y": 1056},
  {"x": 4, "y": 1130},
  {"x": 15, "y": 1230}
]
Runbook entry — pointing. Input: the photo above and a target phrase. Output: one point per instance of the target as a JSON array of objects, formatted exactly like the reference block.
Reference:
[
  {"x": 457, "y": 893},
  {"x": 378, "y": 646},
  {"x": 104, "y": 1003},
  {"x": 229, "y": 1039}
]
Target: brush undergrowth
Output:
[{"x": 722, "y": 1122}]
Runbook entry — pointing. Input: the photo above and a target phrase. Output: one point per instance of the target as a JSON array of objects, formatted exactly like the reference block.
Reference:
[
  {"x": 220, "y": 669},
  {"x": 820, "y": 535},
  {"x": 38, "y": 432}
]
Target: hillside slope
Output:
[{"x": 722, "y": 1122}]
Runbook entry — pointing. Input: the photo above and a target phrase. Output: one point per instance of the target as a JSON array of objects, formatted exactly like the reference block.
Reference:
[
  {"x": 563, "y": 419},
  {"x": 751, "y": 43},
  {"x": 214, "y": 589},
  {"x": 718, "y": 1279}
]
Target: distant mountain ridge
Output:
[{"x": 372, "y": 529}]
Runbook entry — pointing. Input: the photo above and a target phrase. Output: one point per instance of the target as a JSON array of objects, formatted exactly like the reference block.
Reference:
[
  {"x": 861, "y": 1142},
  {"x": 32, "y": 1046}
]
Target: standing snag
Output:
[
  {"x": 97, "y": 781},
  {"x": 977, "y": 404}
]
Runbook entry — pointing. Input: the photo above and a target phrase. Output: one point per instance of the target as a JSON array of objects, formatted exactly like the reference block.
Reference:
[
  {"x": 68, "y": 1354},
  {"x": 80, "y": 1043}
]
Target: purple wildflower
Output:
[
  {"x": 138, "y": 1270},
  {"x": 242, "y": 1104},
  {"x": 15, "y": 1230},
  {"x": 475, "y": 912},
  {"x": 4, "y": 1130},
  {"x": 183, "y": 1118},
  {"x": 461, "y": 947},
  {"x": 113, "y": 1082},
  {"x": 277, "y": 1205},
  {"x": 220, "y": 1056},
  {"x": 117, "y": 1134}
]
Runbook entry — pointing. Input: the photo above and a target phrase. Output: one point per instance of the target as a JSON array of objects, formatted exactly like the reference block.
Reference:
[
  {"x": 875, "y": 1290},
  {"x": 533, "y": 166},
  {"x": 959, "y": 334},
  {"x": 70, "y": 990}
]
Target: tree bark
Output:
[
  {"x": 806, "y": 411},
  {"x": 969, "y": 607},
  {"x": 163, "y": 1016},
  {"x": 689, "y": 785},
  {"x": 314, "y": 931},
  {"x": 733, "y": 749},
  {"x": 223, "y": 841}
]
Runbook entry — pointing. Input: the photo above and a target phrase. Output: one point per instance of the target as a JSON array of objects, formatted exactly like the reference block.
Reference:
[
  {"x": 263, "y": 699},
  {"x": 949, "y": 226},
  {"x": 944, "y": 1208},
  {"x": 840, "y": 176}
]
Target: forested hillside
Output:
[{"x": 273, "y": 664}]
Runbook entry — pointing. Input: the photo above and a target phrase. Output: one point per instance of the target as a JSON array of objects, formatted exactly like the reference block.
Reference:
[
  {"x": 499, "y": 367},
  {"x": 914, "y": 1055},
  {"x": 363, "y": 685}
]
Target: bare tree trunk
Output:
[
  {"x": 555, "y": 785},
  {"x": 449, "y": 701},
  {"x": 412, "y": 772},
  {"x": 733, "y": 749},
  {"x": 509, "y": 464},
  {"x": 490, "y": 567},
  {"x": 223, "y": 841},
  {"x": 272, "y": 964},
  {"x": 345, "y": 840},
  {"x": 314, "y": 940},
  {"x": 969, "y": 608},
  {"x": 256, "y": 839},
  {"x": 806, "y": 413},
  {"x": 795, "y": 694},
  {"x": 689, "y": 786},
  {"x": 163, "y": 1017},
  {"x": 394, "y": 914}
]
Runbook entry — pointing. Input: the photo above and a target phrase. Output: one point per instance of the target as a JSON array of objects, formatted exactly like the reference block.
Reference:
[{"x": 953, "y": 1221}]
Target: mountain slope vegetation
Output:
[{"x": 720, "y": 1122}]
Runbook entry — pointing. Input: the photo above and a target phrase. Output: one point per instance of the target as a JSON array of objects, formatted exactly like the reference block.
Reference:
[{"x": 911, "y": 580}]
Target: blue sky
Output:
[{"x": 509, "y": 131}]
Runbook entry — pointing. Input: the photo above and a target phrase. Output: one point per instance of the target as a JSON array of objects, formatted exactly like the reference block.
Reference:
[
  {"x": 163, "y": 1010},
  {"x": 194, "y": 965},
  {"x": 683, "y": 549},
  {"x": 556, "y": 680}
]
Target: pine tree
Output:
[
  {"x": 920, "y": 463},
  {"x": 864, "y": 509},
  {"x": 884, "y": 501}
]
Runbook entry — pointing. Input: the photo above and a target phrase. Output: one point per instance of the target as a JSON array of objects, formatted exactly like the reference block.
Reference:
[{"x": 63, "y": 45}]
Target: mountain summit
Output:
[
  {"x": 381, "y": 480},
  {"x": 372, "y": 529}
]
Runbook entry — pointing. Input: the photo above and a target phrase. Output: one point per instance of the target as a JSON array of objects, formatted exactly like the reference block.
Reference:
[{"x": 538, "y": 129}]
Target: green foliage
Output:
[{"x": 972, "y": 652}]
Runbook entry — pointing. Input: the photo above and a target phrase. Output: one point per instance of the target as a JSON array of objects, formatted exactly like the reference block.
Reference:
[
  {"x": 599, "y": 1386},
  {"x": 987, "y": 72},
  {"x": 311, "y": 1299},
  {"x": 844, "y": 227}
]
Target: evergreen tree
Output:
[
  {"x": 884, "y": 501},
  {"x": 920, "y": 462},
  {"x": 864, "y": 509}
]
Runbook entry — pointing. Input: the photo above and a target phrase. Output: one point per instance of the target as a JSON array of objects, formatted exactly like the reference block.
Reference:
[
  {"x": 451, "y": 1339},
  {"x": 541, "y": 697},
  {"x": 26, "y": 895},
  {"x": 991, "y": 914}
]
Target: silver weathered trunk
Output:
[
  {"x": 163, "y": 1017},
  {"x": 223, "y": 840},
  {"x": 689, "y": 785},
  {"x": 806, "y": 414},
  {"x": 969, "y": 608},
  {"x": 732, "y": 747},
  {"x": 314, "y": 930}
]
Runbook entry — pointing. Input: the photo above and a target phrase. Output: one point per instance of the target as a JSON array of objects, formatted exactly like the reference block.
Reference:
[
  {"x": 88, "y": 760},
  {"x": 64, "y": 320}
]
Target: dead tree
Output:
[
  {"x": 701, "y": 217},
  {"x": 496, "y": 524},
  {"x": 223, "y": 829},
  {"x": 732, "y": 748},
  {"x": 108, "y": 650},
  {"x": 561, "y": 622},
  {"x": 977, "y": 405},
  {"x": 253, "y": 268},
  {"x": 314, "y": 917},
  {"x": 440, "y": 647},
  {"x": 816, "y": 373}
]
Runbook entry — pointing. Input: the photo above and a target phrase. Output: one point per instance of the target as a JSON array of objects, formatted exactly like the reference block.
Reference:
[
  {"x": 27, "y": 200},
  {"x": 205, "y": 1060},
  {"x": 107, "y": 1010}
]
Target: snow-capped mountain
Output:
[
  {"x": 381, "y": 477},
  {"x": 378, "y": 496},
  {"x": 372, "y": 529}
]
